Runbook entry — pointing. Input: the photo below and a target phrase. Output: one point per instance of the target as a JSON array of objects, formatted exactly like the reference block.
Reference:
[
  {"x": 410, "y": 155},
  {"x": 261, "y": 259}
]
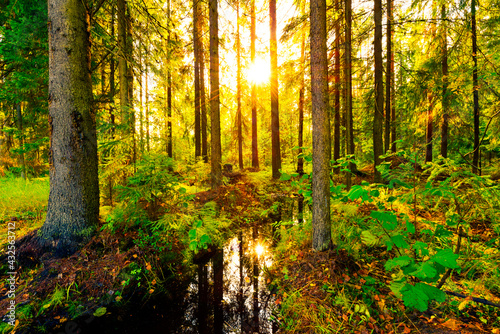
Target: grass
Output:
[{"x": 24, "y": 200}]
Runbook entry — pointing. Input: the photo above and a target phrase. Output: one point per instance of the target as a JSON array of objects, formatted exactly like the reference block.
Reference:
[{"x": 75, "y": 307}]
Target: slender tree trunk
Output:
[
  {"x": 475, "y": 159},
  {"x": 216, "y": 153},
  {"x": 348, "y": 89},
  {"x": 122, "y": 60},
  {"x": 130, "y": 86},
  {"x": 19, "y": 121},
  {"x": 238, "y": 87},
  {"x": 300, "y": 160},
  {"x": 255, "y": 152},
  {"x": 275, "y": 121},
  {"x": 112, "y": 93},
  {"x": 379, "y": 91},
  {"x": 388, "y": 77},
  {"x": 430, "y": 118},
  {"x": 321, "y": 129},
  {"x": 444, "y": 94},
  {"x": 141, "y": 107},
  {"x": 73, "y": 207},
  {"x": 203, "y": 103},
  {"x": 336, "y": 122},
  {"x": 169, "y": 92},
  {"x": 197, "y": 118}
]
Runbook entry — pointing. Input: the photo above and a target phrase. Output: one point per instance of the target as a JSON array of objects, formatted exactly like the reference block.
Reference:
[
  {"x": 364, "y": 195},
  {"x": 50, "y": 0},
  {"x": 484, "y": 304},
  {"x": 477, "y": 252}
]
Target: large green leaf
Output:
[
  {"x": 446, "y": 258},
  {"x": 432, "y": 292},
  {"x": 388, "y": 219},
  {"x": 401, "y": 261},
  {"x": 415, "y": 297}
]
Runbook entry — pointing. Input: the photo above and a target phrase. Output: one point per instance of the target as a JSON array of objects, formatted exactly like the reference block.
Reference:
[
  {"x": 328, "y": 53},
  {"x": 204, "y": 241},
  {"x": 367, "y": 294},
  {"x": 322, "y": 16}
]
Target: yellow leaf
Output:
[
  {"x": 463, "y": 304},
  {"x": 312, "y": 284},
  {"x": 135, "y": 255},
  {"x": 148, "y": 266},
  {"x": 151, "y": 291},
  {"x": 63, "y": 319}
]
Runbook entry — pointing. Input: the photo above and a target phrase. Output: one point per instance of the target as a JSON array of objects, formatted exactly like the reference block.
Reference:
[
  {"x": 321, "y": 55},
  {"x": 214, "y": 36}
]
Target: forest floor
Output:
[{"x": 327, "y": 292}]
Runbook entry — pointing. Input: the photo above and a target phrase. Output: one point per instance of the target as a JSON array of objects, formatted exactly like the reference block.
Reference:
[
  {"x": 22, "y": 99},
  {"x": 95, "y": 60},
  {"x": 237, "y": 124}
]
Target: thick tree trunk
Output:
[
  {"x": 321, "y": 129},
  {"x": 130, "y": 86},
  {"x": 475, "y": 159},
  {"x": 216, "y": 154},
  {"x": 238, "y": 87},
  {"x": 336, "y": 121},
  {"x": 73, "y": 207},
  {"x": 378, "y": 114},
  {"x": 122, "y": 60},
  {"x": 275, "y": 120},
  {"x": 444, "y": 94},
  {"x": 255, "y": 152}
]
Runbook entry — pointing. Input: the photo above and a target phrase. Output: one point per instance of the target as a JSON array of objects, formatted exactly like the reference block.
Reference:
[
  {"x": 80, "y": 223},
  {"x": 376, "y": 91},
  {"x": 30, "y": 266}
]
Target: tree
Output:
[
  {"x": 348, "y": 88},
  {"x": 388, "y": 78},
  {"x": 302, "y": 88},
  {"x": 197, "y": 108},
  {"x": 216, "y": 154},
  {"x": 379, "y": 91},
  {"x": 475, "y": 87},
  {"x": 275, "y": 118},
  {"x": 321, "y": 129},
  {"x": 73, "y": 207},
  {"x": 336, "y": 74},
  {"x": 444, "y": 93},
  {"x": 238, "y": 87},
  {"x": 255, "y": 152}
]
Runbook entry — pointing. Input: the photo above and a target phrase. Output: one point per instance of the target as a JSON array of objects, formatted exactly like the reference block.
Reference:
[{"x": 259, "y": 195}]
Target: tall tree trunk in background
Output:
[
  {"x": 169, "y": 91},
  {"x": 378, "y": 115},
  {"x": 216, "y": 154},
  {"x": 122, "y": 60},
  {"x": 336, "y": 120},
  {"x": 19, "y": 121},
  {"x": 348, "y": 89},
  {"x": 255, "y": 152},
  {"x": 141, "y": 104},
  {"x": 302, "y": 88},
  {"x": 111, "y": 98},
  {"x": 275, "y": 118},
  {"x": 444, "y": 94},
  {"x": 73, "y": 207},
  {"x": 238, "y": 86},
  {"x": 196, "y": 42},
  {"x": 430, "y": 118},
  {"x": 475, "y": 159},
  {"x": 321, "y": 129},
  {"x": 130, "y": 85},
  {"x": 203, "y": 103},
  {"x": 388, "y": 77},
  {"x": 146, "y": 104}
]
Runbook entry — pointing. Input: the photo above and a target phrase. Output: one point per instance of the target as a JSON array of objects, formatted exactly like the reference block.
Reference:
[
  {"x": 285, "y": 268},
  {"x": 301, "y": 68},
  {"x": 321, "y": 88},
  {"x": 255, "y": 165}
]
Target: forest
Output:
[{"x": 250, "y": 166}]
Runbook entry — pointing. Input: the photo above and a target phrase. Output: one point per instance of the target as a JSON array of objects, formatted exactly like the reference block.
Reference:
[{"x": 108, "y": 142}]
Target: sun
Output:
[{"x": 259, "y": 71}]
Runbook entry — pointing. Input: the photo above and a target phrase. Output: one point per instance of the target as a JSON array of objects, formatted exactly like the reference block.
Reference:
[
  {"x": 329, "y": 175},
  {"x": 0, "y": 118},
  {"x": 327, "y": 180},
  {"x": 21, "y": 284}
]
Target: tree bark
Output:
[
  {"x": 216, "y": 154},
  {"x": 444, "y": 94},
  {"x": 321, "y": 129},
  {"x": 348, "y": 89},
  {"x": 275, "y": 121},
  {"x": 73, "y": 206},
  {"x": 475, "y": 159},
  {"x": 238, "y": 87},
  {"x": 19, "y": 121},
  {"x": 300, "y": 160},
  {"x": 379, "y": 91},
  {"x": 336, "y": 121},
  {"x": 388, "y": 77},
  {"x": 203, "y": 103},
  {"x": 169, "y": 92},
  {"x": 430, "y": 118},
  {"x": 197, "y": 118},
  {"x": 255, "y": 152}
]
